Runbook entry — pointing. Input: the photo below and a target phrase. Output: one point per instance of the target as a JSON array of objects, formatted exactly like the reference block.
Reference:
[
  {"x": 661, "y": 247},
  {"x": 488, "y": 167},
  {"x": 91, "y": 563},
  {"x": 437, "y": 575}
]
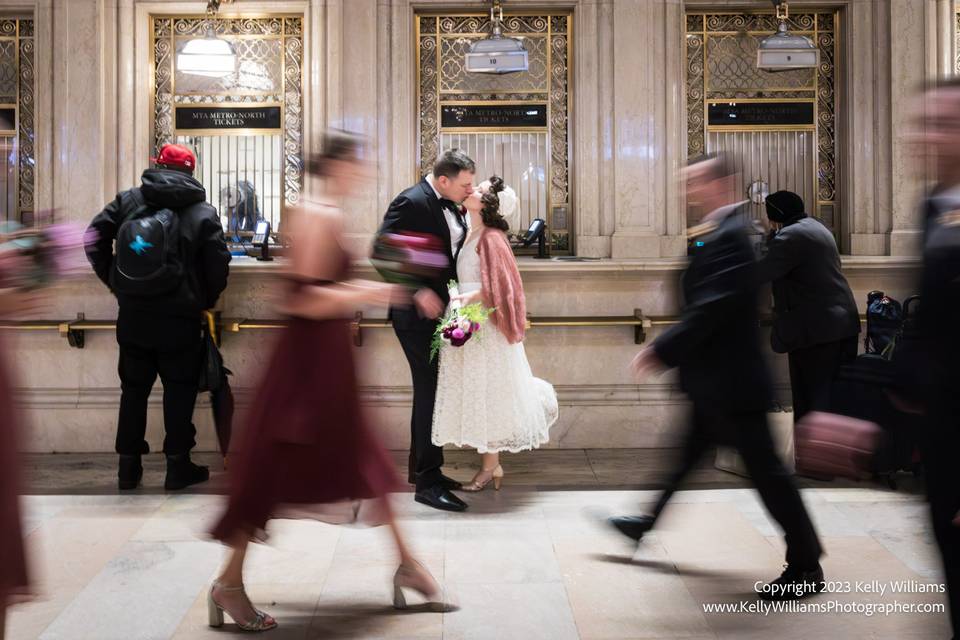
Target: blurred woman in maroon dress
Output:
[
  {"x": 306, "y": 442},
  {"x": 14, "y": 583}
]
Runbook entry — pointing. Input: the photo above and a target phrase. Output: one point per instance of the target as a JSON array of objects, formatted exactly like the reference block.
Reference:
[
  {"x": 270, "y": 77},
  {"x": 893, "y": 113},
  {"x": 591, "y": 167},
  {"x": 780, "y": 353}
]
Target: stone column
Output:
[
  {"x": 593, "y": 128},
  {"x": 865, "y": 116},
  {"x": 644, "y": 158},
  {"x": 913, "y": 59},
  {"x": 946, "y": 37},
  {"x": 78, "y": 149}
]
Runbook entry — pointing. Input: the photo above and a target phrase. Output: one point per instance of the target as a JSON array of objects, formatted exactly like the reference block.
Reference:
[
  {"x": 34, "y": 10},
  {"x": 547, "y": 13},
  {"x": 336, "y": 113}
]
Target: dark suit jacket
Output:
[
  {"x": 418, "y": 209},
  {"x": 812, "y": 302},
  {"x": 926, "y": 367},
  {"x": 716, "y": 344}
]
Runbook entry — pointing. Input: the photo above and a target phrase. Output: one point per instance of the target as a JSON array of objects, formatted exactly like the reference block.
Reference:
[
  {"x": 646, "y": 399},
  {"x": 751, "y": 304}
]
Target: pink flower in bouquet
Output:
[
  {"x": 458, "y": 334},
  {"x": 474, "y": 327}
]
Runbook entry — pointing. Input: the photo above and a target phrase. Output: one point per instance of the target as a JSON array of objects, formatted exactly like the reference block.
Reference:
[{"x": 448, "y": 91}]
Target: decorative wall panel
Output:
[
  {"x": 721, "y": 53},
  {"x": 269, "y": 73},
  {"x": 536, "y": 162},
  {"x": 17, "y": 120}
]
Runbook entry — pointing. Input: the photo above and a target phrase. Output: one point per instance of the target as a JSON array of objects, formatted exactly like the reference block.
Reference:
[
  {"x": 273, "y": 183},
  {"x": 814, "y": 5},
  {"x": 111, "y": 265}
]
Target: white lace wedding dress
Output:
[{"x": 487, "y": 397}]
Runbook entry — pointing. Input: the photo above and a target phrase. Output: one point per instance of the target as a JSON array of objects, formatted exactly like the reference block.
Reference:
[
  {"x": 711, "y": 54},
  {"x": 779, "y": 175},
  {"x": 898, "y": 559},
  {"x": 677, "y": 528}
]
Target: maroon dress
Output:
[
  {"x": 306, "y": 441},
  {"x": 14, "y": 585}
]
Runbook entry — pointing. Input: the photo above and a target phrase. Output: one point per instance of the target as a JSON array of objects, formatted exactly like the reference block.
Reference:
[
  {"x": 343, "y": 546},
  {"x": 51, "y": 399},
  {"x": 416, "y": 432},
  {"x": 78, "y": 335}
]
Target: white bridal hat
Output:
[{"x": 510, "y": 207}]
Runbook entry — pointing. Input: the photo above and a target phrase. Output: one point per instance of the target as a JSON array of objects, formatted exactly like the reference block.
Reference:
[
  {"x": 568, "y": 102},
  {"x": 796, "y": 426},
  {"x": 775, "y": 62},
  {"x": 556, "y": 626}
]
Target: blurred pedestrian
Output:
[
  {"x": 716, "y": 347},
  {"x": 306, "y": 444},
  {"x": 927, "y": 365},
  {"x": 14, "y": 580}
]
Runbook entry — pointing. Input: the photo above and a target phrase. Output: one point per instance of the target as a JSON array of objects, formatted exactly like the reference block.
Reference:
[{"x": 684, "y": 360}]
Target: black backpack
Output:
[
  {"x": 147, "y": 261},
  {"x": 884, "y": 323}
]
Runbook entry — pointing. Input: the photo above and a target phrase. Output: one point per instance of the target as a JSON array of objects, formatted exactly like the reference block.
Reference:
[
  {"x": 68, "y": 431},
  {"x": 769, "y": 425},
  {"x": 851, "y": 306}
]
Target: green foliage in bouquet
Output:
[{"x": 473, "y": 314}]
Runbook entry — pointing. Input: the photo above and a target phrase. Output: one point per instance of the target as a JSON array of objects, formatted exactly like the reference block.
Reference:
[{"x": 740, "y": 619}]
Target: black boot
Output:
[
  {"x": 633, "y": 526},
  {"x": 130, "y": 472},
  {"x": 182, "y": 472}
]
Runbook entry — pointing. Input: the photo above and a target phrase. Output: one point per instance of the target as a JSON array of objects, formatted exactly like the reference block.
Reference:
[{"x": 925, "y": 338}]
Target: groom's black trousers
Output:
[{"x": 426, "y": 458}]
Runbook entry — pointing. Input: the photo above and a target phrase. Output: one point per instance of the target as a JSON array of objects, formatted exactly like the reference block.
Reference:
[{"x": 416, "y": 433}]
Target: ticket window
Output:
[
  {"x": 244, "y": 125},
  {"x": 515, "y": 125},
  {"x": 17, "y": 119}
]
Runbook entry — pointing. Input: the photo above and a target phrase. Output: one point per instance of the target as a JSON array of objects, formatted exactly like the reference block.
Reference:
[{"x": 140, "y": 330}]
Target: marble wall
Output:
[{"x": 628, "y": 129}]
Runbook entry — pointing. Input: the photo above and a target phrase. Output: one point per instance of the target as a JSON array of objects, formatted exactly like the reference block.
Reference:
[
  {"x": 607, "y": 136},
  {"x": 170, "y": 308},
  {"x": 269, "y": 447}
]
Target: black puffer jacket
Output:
[{"x": 202, "y": 247}]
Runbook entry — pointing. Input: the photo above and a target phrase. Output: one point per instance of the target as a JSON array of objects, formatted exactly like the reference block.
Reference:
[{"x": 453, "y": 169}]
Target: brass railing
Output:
[{"x": 75, "y": 330}]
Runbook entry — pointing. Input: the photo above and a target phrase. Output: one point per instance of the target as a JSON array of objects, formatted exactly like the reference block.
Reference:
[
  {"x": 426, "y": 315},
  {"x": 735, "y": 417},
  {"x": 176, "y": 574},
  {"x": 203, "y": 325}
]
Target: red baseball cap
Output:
[{"x": 176, "y": 155}]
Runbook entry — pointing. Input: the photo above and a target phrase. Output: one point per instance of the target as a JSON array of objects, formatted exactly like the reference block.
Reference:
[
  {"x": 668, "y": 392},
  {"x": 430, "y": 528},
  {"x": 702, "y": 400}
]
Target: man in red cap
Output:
[{"x": 160, "y": 249}]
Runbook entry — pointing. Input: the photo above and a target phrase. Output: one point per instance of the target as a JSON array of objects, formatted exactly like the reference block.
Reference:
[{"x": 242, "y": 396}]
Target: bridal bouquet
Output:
[
  {"x": 34, "y": 257},
  {"x": 459, "y": 324}
]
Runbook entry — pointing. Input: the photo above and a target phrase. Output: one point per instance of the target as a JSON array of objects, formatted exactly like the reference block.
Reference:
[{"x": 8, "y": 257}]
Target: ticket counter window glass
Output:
[
  {"x": 245, "y": 126},
  {"x": 780, "y": 128},
  {"x": 17, "y": 120},
  {"x": 515, "y": 125}
]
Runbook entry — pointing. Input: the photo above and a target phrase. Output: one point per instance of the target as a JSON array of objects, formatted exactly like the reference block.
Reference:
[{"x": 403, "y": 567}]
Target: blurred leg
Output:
[{"x": 777, "y": 490}]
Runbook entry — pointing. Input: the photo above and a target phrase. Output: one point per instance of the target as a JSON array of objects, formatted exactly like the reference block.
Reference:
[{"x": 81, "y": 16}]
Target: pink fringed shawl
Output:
[{"x": 502, "y": 287}]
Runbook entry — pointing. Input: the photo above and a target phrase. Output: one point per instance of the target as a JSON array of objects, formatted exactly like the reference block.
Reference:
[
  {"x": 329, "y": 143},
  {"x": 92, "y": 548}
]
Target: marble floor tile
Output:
[
  {"x": 142, "y": 593},
  {"x": 626, "y": 594},
  {"x": 506, "y": 552},
  {"x": 499, "y": 611}
]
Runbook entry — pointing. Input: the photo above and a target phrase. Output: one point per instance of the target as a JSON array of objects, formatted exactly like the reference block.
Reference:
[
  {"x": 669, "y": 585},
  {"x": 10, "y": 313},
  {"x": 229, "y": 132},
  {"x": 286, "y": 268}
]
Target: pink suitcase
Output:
[{"x": 832, "y": 445}]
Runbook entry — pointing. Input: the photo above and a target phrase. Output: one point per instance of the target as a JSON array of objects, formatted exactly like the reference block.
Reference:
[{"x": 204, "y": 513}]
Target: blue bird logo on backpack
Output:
[{"x": 139, "y": 246}]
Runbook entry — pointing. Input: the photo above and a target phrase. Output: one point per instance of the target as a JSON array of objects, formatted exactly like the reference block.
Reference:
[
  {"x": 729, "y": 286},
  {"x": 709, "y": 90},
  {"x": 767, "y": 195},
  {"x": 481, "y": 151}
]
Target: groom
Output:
[{"x": 431, "y": 206}]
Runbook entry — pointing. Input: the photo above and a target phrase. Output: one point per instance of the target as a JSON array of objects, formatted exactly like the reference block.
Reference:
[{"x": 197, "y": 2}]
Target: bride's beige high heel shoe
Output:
[
  {"x": 415, "y": 577},
  {"x": 479, "y": 483}
]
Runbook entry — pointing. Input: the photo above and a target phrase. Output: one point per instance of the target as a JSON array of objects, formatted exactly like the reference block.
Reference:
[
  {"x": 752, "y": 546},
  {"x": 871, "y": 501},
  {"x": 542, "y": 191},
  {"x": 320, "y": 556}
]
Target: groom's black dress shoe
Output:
[
  {"x": 440, "y": 498},
  {"x": 445, "y": 482},
  {"x": 633, "y": 526}
]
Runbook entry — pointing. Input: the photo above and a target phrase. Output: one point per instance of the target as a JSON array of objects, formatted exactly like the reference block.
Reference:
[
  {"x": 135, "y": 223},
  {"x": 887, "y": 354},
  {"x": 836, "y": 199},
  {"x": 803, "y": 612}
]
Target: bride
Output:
[{"x": 487, "y": 397}]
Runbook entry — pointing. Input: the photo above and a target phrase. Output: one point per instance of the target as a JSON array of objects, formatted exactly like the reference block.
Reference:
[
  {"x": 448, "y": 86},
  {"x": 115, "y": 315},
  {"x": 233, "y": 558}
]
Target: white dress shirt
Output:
[{"x": 456, "y": 231}]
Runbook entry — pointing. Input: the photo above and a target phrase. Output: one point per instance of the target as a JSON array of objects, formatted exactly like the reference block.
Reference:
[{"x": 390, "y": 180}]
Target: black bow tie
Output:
[{"x": 450, "y": 204}]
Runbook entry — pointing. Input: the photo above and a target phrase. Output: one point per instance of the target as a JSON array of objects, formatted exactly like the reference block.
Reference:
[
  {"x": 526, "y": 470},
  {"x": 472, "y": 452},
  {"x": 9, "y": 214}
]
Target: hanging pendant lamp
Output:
[
  {"x": 209, "y": 56},
  {"x": 783, "y": 50}
]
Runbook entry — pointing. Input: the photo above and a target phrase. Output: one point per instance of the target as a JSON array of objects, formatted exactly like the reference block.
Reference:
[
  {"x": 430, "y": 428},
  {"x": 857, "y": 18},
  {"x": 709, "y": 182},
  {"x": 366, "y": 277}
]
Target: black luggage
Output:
[{"x": 864, "y": 388}]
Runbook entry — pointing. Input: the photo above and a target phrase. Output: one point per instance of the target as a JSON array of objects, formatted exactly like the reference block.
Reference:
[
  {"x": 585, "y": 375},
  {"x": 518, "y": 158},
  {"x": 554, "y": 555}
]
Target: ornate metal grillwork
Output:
[
  {"x": 8, "y": 71},
  {"x": 721, "y": 64},
  {"x": 17, "y": 145},
  {"x": 441, "y": 44},
  {"x": 269, "y": 71},
  {"x": 455, "y": 79},
  {"x": 731, "y": 61}
]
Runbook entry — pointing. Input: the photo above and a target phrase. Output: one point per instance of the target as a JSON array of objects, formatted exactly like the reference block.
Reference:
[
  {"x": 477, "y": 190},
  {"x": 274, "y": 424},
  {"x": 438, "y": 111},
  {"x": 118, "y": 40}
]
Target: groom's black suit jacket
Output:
[{"x": 418, "y": 209}]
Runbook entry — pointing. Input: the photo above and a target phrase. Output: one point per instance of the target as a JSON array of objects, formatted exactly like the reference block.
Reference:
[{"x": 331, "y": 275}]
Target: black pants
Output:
[
  {"x": 812, "y": 370},
  {"x": 941, "y": 450},
  {"x": 750, "y": 435},
  {"x": 426, "y": 458},
  {"x": 152, "y": 345}
]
